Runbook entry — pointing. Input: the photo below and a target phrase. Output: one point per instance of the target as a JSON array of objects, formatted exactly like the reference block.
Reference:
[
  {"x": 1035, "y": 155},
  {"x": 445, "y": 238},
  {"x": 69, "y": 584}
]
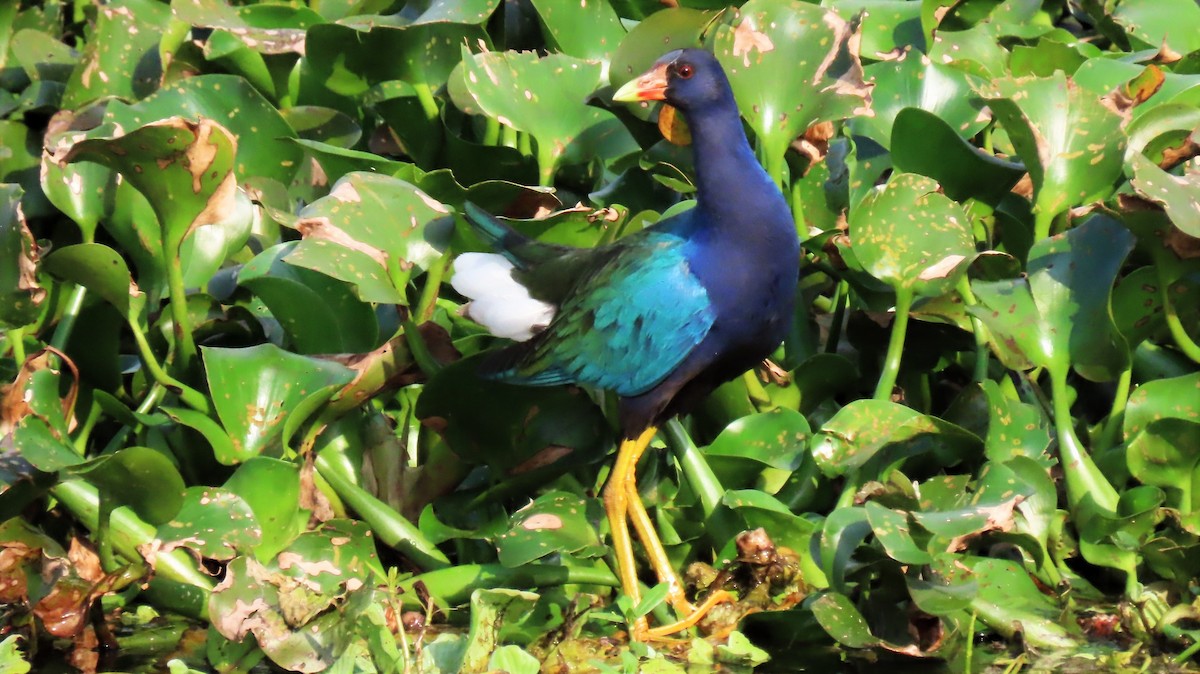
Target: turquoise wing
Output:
[{"x": 624, "y": 328}]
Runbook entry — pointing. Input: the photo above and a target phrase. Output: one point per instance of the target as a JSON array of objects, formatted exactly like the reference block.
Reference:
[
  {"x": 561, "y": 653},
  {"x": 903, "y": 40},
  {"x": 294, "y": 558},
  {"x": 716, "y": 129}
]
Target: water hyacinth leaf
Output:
[
  {"x": 83, "y": 191},
  {"x": 98, "y": 268},
  {"x": 120, "y": 58},
  {"x": 555, "y": 523},
  {"x": 263, "y": 147},
  {"x": 1071, "y": 277},
  {"x": 222, "y": 446},
  {"x": 1164, "y": 455},
  {"x": 20, "y": 293},
  {"x": 1174, "y": 398},
  {"x": 844, "y": 530},
  {"x": 324, "y": 125},
  {"x": 215, "y": 523},
  {"x": 512, "y": 428},
  {"x": 1008, "y": 601},
  {"x": 763, "y": 510},
  {"x": 301, "y": 607},
  {"x": 911, "y": 236},
  {"x": 41, "y": 432},
  {"x": 791, "y": 65},
  {"x": 19, "y": 164},
  {"x": 1179, "y": 195},
  {"x": 888, "y": 26},
  {"x": 44, "y": 57},
  {"x": 893, "y": 530},
  {"x": 1069, "y": 139},
  {"x": 914, "y": 81},
  {"x": 490, "y": 611},
  {"x": 261, "y": 392},
  {"x": 207, "y": 248},
  {"x": 843, "y": 621},
  {"x": 1015, "y": 330},
  {"x": 1137, "y": 305},
  {"x": 759, "y": 450},
  {"x": 337, "y": 161},
  {"x": 1009, "y": 428},
  {"x": 271, "y": 488},
  {"x": 876, "y": 429},
  {"x": 922, "y": 142},
  {"x": 1173, "y": 24},
  {"x": 318, "y": 313},
  {"x": 371, "y": 231},
  {"x": 586, "y": 30},
  {"x": 139, "y": 477},
  {"x": 665, "y": 30},
  {"x": 183, "y": 168},
  {"x": 517, "y": 88}
]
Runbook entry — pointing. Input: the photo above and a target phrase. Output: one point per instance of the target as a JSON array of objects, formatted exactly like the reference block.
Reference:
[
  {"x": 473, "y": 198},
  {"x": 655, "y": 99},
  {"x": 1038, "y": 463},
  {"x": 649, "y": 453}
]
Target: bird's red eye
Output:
[{"x": 685, "y": 71}]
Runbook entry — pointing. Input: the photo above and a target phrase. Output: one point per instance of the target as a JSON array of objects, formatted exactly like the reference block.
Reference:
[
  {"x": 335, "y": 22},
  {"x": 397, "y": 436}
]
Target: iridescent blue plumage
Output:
[{"x": 663, "y": 316}]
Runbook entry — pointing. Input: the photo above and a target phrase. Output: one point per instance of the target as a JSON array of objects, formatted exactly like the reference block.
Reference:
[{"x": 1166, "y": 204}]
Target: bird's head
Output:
[{"x": 688, "y": 79}]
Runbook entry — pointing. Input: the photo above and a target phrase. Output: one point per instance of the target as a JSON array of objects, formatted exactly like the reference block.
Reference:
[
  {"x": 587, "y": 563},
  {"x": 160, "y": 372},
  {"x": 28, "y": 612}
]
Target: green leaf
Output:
[
  {"x": 20, "y": 293},
  {"x": 1179, "y": 195},
  {"x": 319, "y": 314},
  {"x": 885, "y": 432},
  {"x": 586, "y": 30},
  {"x": 760, "y": 450},
  {"x": 517, "y": 88},
  {"x": 1071, "y": 277},
  {"x": 98, "y": 268},
  {"x": 372, "y": 232},
  {"x": 215, "y": 523},
  {"x": 924, "y": 143},
  {"x": 84, "y": 192},
  {"x": 1070, "y": 141},
  {"x": 843, "y": 621},
  {"x": 1008, "y": 601},
  {"x": 262, "y": 393},
  {"x": 272, "y": 490},
  {"x": 909, "y": 235},
  {"x": 791, "y": 65},
  {"x": 138, "y": 477},
  {"x": 1174, "y": 24},
  {"x": 1163, "y": 455},
  {"x": 121, "y": 57},
  {"x": 184, "y": 168},
  {"x": 556, "y": 522},
  {"x": 915, "y": 82},
  {"x": 893, "y": 530}
]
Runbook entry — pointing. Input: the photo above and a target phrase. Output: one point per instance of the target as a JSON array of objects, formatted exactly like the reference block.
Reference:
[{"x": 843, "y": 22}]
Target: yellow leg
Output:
[
  {"x": 624, "y": 503},
  {"x": 616, "y": 503}
]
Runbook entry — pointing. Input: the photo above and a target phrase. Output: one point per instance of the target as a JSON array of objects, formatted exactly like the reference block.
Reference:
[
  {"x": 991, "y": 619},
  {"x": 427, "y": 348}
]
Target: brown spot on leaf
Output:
[
  {"x": 542, "y": 521},
  {"x": 746, "y": 38},
  {"x": 322, "y": 228},
  {"x": 942, "y": 268}
]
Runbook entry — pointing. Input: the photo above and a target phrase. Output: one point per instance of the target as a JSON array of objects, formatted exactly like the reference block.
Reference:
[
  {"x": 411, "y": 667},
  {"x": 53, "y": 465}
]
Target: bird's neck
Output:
[{"x": 731, "y": 186}]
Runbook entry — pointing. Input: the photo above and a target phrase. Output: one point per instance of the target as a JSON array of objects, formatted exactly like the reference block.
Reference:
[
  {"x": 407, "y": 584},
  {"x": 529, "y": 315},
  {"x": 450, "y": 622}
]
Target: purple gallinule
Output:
[{"x": 662, "y": 316}]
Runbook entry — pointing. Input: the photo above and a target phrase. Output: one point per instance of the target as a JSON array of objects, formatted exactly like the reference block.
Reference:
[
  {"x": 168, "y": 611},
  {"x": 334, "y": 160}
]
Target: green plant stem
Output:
[
  {"x": 62, "y": 333},
  {"x": 1086, "y": 485},
  {"x": 418, "y": 349},
  {"x": 85, "y": 431},
  {"x": 547, "y": 163},
  {"x": 454, "y": 585},
  {"x": 16, "y": 341},
  {"x": 774, "y": 164},
  {"x": 508, "y": 136},
  {"x": 389, "y": 527},
  {"x": 1042, "y": 220},
  {"x": 491, "y": 131},
  {"x": 190, "y": 396},
  {"x": 127, "y": 532},
  {"x": 433, "y": 285},
  {"x": 978, "y": 329},
  {"x": 699, "y": 475},
  {"x": 798, "y": 210},
  {"x": 185, "y": 343},
  {"x": 1116, "y": 416},
  {"x": 841, "y": 298},
  {"x": 1182, "y": 339},
  {"x": 891, "y": 363},
  {"x": 756, "y": 391},
  {"x": 426, "y": 99}
]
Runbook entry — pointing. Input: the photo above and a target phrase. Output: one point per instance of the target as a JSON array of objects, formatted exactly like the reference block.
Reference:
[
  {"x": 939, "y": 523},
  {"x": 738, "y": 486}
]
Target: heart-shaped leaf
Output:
[
  {"x": 911, "y": 236},
  {"x": 139, "y": 477},
  {"x": 791, "y": 64},
  {"x": 263, "y": 393},
  {"x": 556, "y": 522}
]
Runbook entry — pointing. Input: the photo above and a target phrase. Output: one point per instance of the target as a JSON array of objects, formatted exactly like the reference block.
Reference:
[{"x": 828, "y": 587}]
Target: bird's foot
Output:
[{"x": 643, "y": 632}]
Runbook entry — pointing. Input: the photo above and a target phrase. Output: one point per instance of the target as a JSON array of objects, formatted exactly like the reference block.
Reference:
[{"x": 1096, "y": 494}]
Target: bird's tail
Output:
[{"x": 519, "y": 249}]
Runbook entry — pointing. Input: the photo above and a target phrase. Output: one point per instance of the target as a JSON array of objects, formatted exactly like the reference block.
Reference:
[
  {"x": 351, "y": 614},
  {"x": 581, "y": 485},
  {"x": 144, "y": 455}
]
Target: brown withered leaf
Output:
[
  {"x": 15, "y": 557},
  {"x": 999, "y": 518},
  {"x": 13, "y": 407},
  {"x": 84, "y": 560}
]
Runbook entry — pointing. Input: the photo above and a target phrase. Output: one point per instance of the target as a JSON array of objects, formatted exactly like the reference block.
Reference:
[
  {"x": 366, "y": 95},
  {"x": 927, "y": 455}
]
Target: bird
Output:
[{"x": 662, "y": 316}]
